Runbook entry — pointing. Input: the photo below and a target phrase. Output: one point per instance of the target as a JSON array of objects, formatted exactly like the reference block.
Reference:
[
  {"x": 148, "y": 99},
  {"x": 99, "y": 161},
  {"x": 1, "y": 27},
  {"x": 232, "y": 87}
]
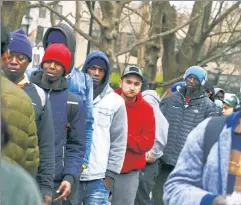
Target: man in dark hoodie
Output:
[
  {"x": 79, "y": 83},
  {"x": 20, "y": 56},
  {"x": 109, "y": 137},
  {"x": 67, "y": 109}
]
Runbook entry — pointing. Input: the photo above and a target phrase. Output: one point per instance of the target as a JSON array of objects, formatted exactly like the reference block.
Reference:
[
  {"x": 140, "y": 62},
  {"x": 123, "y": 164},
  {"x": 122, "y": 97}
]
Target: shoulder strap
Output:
[
  {"x": 72, "y": 106},
  {"x": 212, "y": 133},
  {"x": 43, "y": 98}
]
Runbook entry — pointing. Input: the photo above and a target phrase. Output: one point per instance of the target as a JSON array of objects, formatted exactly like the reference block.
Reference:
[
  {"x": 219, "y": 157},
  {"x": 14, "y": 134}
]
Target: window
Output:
[
  {"x": 42, "y": 12},
  {"x": 40, "y": 33},
  {"x": 27, "y": 12},
  {"x": 59, "y": 9}
]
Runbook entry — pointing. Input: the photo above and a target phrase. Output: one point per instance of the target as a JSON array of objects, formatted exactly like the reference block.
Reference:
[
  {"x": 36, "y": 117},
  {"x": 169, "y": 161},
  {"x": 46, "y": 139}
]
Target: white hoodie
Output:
[{"x": 162, "y": 125}]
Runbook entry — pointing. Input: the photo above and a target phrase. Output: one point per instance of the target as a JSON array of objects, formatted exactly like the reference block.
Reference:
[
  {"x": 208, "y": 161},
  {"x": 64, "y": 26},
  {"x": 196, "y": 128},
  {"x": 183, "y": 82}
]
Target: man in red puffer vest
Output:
[{"x": 141, "y": 134}]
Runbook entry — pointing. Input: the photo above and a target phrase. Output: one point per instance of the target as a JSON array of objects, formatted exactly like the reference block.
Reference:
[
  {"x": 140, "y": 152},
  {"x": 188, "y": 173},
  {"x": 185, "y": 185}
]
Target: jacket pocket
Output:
[{"x": 104, "y": 117}]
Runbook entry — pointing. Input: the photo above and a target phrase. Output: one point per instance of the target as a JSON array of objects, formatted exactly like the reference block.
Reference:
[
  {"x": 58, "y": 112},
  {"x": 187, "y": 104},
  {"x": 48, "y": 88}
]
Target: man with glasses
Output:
[{"x": 141, "y": 135}]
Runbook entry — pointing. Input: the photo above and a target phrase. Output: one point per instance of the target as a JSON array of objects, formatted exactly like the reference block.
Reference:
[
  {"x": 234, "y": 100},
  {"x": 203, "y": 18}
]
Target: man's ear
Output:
[
  {"x": 5, "y": 56},
  {"x": 120, "y": 84}
]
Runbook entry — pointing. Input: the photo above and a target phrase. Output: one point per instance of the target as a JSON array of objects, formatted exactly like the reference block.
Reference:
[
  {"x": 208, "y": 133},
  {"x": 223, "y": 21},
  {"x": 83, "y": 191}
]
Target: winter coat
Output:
[
  {"x": 162, "y": 125},
  {"x": 183, "y": 118},
  {"x": 193, "y": 182},
  {"x": 110, "y": 129},
  {"x": 18, "y": 111},
  {"x": 74, "y": 144},
  {"x": 141, "y": 133},
  {"x": 45, "y": 131}
]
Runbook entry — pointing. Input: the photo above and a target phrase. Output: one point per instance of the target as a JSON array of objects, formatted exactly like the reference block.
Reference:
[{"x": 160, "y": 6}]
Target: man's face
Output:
[
  {"x": 219, "y": 96},
  {"x": 52, "y": 70},
  {"x": 97, "y": 73},
  {"x": 16, "y": 66},
  {"x": 131, "y": 85},
  {"x": 227, "y": 110},
  {"x": 192, "y": 82}
]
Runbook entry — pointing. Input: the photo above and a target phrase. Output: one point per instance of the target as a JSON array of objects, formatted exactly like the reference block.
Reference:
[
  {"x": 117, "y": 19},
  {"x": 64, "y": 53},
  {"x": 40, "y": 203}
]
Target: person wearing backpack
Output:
[
  {"x": 184, "y": 110},
  {"x": 208, "y": 169},
  {"x": 20, "y": 56},
  {"x": 67, "y": 109}
]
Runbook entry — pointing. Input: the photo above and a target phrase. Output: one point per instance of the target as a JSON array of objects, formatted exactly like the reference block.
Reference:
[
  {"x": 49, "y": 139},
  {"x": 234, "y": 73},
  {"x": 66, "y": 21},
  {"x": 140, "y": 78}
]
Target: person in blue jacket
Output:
[
  {"x": 68, "y": 112},
  {"x": 79, "y": 83}
]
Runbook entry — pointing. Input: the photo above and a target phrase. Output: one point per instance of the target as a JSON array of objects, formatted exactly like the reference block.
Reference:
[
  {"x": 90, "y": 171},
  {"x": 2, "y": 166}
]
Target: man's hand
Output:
[
  {"x": 220, "y": 200},
  {"x": 150, "y": 159},
  {"x": 47, "y": 200},
  {"x": 108, "y": 182},
  {"x": 65, "y": 188}
]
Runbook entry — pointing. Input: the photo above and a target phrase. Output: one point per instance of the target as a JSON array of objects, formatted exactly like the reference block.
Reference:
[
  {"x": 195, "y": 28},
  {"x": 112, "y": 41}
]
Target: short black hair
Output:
[{"x": 5, "y": 39}]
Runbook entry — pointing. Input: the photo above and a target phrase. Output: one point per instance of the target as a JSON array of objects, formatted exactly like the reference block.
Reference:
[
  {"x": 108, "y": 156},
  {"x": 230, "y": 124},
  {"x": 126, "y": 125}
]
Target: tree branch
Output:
[
  {"x": 223, "y": 32},
  {"x": 96, "y": 18},
  {"x": 221, "y": 18},
  {"x": 142, "y": 41},
  {"x": 32, "y": 6},
  {"x": 137, "y": 13},
  {"x": 86, "y": 36}
]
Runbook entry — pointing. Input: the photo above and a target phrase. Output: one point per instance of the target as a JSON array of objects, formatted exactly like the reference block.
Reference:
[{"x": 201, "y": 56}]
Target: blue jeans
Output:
[{"x": 93, "y": 193}]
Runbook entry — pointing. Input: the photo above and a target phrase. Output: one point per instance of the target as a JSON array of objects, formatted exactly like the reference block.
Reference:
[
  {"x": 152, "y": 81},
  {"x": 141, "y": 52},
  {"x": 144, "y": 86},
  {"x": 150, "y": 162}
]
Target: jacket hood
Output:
[
  {"x": 152, "y": 93},
  {"x": 134, "y": 104},
  {"x": 70, "y": 39},
  {"x": 36, "y": 78},
  {"x": 216, "y": 90},
  {"x": 101, "y": 55}
]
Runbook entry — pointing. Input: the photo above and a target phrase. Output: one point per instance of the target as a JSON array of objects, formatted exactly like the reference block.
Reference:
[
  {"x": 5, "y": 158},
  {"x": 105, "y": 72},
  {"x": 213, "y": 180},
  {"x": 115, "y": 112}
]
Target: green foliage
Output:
[
  {"x": 115, "y": 79},
  {"x": 159, "y": 78}
]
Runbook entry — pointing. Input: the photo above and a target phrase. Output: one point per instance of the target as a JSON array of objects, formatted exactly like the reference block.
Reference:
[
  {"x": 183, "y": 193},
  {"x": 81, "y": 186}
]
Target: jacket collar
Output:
[{"x": 199, "y": 93}]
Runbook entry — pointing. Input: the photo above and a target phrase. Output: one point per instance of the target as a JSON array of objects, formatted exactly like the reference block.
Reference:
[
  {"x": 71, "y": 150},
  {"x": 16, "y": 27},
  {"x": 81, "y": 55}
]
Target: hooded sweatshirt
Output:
[
  {"x": 162, "y": 125},
  {"x": 69, "y": 35},
  {"x": 99, "y": 55},
  {"x": 75, "y": 142},
  {"x": 141, "y": 133},
  {"x": 110, "y": 129}
]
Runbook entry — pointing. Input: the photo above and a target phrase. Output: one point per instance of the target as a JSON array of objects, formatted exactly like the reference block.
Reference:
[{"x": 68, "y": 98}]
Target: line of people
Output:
[{"x": 85, "y": 141}]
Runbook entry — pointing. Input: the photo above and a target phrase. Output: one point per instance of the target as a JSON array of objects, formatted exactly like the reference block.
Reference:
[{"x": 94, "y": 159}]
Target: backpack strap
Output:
[
  {"x": 212, "y": 133},
  {"x": 72, "y": 106}
]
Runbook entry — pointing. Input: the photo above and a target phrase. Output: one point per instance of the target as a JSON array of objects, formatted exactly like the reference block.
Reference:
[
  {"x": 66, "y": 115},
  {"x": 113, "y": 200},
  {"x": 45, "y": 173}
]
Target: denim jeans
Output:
[{"x": 93, "y": 193}]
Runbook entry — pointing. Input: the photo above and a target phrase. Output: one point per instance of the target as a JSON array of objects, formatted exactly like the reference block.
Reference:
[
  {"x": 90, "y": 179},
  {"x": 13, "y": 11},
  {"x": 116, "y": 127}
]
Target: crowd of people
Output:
[{"x": 71, "y": 139}]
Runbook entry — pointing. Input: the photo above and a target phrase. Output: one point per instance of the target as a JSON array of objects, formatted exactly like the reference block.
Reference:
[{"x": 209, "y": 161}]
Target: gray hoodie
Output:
[{"x": 162, "y": 125}]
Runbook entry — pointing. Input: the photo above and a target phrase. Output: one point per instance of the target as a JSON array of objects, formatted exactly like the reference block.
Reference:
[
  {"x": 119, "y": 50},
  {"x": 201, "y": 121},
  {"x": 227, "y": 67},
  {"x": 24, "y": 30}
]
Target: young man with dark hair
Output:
[
  {"x": 20, "y": 56},
  {"x": 67, "y": 110},
  {"x": 141, "y": 135},
  {"x": 109, "y": 137}
]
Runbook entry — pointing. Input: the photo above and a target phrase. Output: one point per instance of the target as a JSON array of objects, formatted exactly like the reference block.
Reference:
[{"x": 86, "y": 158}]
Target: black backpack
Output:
[{"x": 212, "y": 133}]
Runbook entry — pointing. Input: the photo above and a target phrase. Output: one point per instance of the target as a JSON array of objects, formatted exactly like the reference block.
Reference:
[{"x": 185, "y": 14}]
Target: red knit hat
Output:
[{"x": 60, "y": 53}]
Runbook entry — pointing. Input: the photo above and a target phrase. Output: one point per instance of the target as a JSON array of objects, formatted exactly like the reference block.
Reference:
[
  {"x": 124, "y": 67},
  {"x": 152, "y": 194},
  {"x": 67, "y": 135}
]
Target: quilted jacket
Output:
[{"x": 17, "y": 109}]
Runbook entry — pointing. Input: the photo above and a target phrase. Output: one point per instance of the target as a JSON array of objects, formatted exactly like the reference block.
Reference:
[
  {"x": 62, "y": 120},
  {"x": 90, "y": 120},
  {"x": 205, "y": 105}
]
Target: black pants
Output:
[
  {"x": 147, "y": 181},
  {"x": 164, "y": 171}
]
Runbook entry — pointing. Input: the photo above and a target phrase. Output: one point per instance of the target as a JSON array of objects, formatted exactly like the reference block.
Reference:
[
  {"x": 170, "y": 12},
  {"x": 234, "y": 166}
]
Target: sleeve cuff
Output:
[
  {"x": 45, "y": 191},
  {"x": 208, "y": 199},
  {"x": 69, "y": 178},
  {"x": 110, "y": 174}
]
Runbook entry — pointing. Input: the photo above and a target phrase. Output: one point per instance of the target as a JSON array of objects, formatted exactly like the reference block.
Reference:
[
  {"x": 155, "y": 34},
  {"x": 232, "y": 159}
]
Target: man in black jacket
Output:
[{"x": 18, "y": 60}]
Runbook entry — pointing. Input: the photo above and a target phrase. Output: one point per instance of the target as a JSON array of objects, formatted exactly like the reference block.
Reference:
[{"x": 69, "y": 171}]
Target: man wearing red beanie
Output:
[{"x": 67, "y": 110}]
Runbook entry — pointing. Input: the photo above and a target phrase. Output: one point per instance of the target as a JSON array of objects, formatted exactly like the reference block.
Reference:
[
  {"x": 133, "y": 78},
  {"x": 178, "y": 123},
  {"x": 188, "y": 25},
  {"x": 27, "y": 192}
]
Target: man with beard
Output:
[
  {"x": 20, "y": 56},
  {"x": 184, "y": 110}
]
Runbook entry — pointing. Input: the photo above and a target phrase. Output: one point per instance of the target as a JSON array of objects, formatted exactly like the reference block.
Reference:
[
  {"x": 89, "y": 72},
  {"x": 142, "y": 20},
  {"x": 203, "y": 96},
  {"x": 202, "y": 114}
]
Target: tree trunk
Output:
[
  {"x": 153, "y": 48},
  {"x": 143, "y": 34},
  {"x": 12, "y": 13},
  {"x": 111, "y": 13}
]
